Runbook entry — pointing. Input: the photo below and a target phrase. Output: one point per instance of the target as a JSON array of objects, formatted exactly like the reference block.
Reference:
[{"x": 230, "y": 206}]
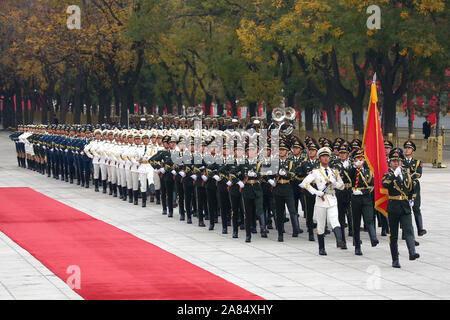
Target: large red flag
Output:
[{"x": 373, "y": 144}]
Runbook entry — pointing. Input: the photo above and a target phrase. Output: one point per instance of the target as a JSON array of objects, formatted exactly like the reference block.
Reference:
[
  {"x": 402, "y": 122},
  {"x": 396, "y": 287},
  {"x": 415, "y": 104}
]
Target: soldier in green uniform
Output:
[
  {"x": 362, "y": 200},
  {"x": 297, "y": 148},
  {"x": 342, "y": 165},
  {"x": 236, "y": 175},
  {"x": 414, "y": 168},
  {"x": 399, "y": 184},
  {"x": 252, "y": 193},
  {"x": 283, "y": 193}
]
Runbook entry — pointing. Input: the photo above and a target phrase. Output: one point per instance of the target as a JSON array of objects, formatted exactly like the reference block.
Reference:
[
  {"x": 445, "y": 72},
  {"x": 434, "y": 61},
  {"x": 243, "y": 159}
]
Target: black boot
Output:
[
  {"x": 321, "y": 239},
  {"x": 144, "y": 199},
  {"x": 338, "y": 234},
  {"x": 96, "y": 185},
  {"x": 235, "y": 232},
  {"x": 124, "y": 193},
  {"x": 120, "y": 192},
  {"x": 420, "y": 230},
  {"x": 262, "y": 224},
  {"x": 86, "y": 182},
  {"x": 394, "y": 254},
  {"x": 135, "y": 197},
  {"x": 311, "y": 235},
  {"x": 411, "y": 248},
  {"x": 372, "y": 235},
  {"x": 104, "y": 185},
  {"x": 130, "y": 195},
  {"x": 344, "y": 247},
  {"x": 295, "y": 225},
  {"x": 110, "y": 189},
  {"x": 158, "y": 196},
  {"x": 248, "y": 236},
  {"x": 114, "y": 187}
]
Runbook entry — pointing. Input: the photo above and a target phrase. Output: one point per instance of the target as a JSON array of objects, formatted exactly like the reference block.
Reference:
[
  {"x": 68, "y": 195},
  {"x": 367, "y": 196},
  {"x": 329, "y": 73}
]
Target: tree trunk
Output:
[
  {"x": 252, "y": 109},
  {"x": 409, "y": 108},
  {"x": 77, "y": 102},
  {"x": 309, "y": 112}
]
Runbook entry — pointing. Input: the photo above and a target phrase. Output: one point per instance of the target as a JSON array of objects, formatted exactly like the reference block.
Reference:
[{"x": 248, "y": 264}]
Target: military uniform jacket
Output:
[
  {"x": 321, "y": 177},
  {"x": 252, "y": 187},
  {"x": 283, "y": 183},
  {"x": 365, "y": 180},
  {"x": 400, "y": 191},
  {"x": 414, "y": 168}
]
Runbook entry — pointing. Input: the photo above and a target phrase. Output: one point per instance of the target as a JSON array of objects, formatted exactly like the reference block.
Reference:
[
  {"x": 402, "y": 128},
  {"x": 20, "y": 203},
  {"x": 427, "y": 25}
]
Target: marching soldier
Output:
[
  {"x": 362, "y": 200},
  {"x": 251, "y": 191},
  {"x": 327, "y": 181},
  {"x": 400, "y": 188},
  {"x": 414, "y": 168},
  {"x": 283, "y": 194},
  {"x": 342, "y": 165},
  {"x": 297, "y": 149},
  {"x": 307, "y": 166}
]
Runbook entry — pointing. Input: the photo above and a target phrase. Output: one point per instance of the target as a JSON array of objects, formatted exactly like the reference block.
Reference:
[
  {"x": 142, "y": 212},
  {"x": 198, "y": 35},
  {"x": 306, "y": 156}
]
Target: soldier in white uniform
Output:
[
  {"x": 102, "y": 149},
  {"x": 122, "y": 178},
  {"x": 327, "y": 180},
  {"x": 136, "y": 158},
  {"x": 92, "y": 151},
  {"x": 127, "y": 154}
]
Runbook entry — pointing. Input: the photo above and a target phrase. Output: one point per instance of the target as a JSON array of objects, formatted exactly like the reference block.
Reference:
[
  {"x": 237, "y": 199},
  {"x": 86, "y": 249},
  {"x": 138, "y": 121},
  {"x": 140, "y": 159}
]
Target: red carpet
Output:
[{"x": 113, "y": 263}]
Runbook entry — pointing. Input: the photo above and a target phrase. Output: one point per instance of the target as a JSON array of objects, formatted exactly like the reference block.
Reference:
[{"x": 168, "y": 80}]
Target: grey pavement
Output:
[{"x": 289, "y": 270}]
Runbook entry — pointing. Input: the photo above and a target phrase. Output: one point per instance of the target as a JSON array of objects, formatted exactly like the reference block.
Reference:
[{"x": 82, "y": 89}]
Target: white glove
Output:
[
  {"x": 51, "y": 149},
  {"x": 269, "y": 173},
  {"x": 346, "y": 164},
  {"x": 272, "y": 182},
  {"x": 174, "y": 172},
  {"x": 397, "y": 171},
  {"x": 357, "y": 192},
  {"x": 251, "y": 174},
  {"x": 66, "y": 150},
  {"x": 182, "y": 174},
  {"x": 204, "y": 178},
  {"x": 161, "y": 170},
  {"x": 81, "y": 152},
  {"x": 282, "y": 172},
  {"x": 241, "y": 184},
  {"x": 359, "y": 162},
  {"x": 194, "y": 177},
  {"x": 44, "y": 147},
  {"x": 411, "y": 203},
  {"x": 319, "y": 193},
  {"x": 229, "y": 183},
  {"x": 216, "y": 177}
]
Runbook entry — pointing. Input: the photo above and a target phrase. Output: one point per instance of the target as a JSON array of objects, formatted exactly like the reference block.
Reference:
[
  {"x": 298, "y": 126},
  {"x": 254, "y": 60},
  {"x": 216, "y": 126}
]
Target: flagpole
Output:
[{"x": 362, "y": 153}]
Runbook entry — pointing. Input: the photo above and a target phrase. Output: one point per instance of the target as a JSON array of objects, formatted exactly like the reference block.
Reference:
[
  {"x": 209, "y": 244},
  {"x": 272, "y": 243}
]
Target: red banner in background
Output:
[
  {"x": 137, "y": 108},
  {"x": 228, "y": 109},
  {"x": 203, "y": 107},
  {"x": 29, "y": 105},
  {"x": 260, "y": 111},
  {"x": 432, "y": 119},
  {"x": 211, "y": 110},
  {"x": 15, "y": 106},
  {"x": 324, "y": 115}
]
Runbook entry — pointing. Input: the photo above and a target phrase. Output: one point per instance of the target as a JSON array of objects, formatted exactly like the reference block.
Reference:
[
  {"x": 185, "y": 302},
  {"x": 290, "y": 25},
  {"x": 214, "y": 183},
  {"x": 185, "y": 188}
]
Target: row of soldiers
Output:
[{"x": 243, "y": 183}]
